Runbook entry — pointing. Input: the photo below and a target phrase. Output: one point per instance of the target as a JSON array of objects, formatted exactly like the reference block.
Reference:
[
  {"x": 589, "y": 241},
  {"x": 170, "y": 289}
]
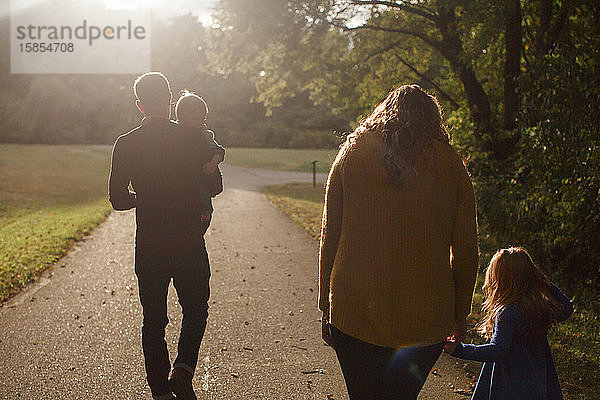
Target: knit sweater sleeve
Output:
[
  {"x": 330, "y": 230},
  {"x": 465, "y": 253}
]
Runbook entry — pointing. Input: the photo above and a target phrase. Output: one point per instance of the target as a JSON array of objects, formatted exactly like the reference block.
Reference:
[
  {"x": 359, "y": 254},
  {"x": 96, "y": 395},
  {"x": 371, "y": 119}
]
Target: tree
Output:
[
  {"x": 293, "y": 36},
  {"x": 519, "y": 81}
]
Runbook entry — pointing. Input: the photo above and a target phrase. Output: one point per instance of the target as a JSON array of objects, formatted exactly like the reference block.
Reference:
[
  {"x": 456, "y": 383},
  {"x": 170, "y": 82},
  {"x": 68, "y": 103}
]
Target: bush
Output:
[{"x": 546, "y": 196}]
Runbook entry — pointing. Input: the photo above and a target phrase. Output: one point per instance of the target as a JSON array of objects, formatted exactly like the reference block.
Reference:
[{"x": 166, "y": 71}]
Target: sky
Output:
[
  {"x": 201, "y": 8},
  {"x": 165, "y": 8}
]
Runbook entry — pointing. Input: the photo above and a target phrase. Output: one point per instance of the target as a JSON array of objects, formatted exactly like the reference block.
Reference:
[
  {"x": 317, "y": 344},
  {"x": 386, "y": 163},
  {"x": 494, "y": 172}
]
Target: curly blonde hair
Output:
[{"x": 408, "y": 120}]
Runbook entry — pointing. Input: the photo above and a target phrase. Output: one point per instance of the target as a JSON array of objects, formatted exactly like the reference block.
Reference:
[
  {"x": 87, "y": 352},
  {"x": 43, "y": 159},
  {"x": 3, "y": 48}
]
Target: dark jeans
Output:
[
  {"x": 373, "y": 372},
  {"x": 190, "y": 274}
]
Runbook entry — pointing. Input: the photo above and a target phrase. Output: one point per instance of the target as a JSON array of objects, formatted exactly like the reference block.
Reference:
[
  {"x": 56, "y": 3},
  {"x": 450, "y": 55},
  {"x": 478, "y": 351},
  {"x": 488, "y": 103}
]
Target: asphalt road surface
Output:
[{"x": 75, "y": 334}]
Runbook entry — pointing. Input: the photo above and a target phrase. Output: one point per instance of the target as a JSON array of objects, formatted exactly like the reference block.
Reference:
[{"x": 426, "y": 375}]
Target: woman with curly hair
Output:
[{"x": 399, "y": 255}]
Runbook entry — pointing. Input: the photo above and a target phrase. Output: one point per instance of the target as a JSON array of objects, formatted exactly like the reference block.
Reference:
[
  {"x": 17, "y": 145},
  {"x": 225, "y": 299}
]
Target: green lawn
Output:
[
  {"x": 575, "y": 343},
  {"x": 301, "y": 202},
  {"x": 281, "y": 159},
  {"x": 50, "y": 197}
]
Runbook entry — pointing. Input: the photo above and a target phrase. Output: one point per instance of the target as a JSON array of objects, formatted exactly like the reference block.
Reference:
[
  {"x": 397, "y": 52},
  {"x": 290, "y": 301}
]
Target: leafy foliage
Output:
[{"x": 518, "y": 80}]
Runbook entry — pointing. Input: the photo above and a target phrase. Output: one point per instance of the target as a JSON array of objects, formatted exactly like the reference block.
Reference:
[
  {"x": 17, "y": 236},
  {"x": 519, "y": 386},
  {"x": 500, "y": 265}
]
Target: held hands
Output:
[
  {"x": 450, "y": 344},
  {"x": 460, "y": 331}
]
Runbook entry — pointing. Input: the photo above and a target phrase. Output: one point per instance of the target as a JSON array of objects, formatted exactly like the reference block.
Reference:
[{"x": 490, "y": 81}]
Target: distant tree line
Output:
[{"x": 97, "y": 108}]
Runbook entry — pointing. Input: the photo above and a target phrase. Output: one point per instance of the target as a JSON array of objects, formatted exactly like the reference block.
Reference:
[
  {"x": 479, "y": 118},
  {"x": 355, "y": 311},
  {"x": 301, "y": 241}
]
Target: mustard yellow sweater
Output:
[{"x": 397, "y": 264}]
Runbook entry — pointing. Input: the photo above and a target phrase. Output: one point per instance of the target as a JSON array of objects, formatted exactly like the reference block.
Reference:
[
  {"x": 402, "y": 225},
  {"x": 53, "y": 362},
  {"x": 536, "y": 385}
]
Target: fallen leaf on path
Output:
[
  {"x": 319, "y": 371},
  {"x": 464, "y": 392}
]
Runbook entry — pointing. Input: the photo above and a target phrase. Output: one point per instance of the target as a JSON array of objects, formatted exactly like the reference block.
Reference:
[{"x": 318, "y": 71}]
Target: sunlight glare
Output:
[{"x": 202, "y": 9}]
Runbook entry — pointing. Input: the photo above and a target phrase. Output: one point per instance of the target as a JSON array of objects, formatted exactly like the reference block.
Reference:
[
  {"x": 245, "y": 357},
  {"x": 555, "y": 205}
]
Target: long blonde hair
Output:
[
  {"x": 513, "y": 278},
  {"x": 407, "y": 121}
]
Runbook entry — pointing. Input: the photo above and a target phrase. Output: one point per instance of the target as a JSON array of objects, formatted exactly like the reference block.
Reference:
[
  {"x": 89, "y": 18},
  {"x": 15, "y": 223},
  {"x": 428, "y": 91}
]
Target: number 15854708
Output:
[{"x": 52, "y": 47}]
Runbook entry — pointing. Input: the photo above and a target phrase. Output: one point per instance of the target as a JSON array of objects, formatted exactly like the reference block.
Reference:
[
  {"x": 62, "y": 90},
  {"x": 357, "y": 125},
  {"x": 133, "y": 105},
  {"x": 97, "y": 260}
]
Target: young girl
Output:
[{"x": 520, "y": 305}]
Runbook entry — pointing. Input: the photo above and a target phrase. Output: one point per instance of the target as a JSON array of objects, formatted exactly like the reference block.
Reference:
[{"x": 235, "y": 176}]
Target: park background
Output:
[{"x": 519, "y": 82}]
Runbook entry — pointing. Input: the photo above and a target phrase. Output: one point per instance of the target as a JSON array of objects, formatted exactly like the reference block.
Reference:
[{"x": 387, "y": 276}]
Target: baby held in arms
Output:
[{"x": 191, "y": 111}]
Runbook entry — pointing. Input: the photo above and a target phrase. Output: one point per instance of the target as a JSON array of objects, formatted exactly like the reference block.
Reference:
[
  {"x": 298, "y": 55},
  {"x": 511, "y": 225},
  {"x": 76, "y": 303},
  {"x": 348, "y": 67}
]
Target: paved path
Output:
[{"x": 76, "y": 333}]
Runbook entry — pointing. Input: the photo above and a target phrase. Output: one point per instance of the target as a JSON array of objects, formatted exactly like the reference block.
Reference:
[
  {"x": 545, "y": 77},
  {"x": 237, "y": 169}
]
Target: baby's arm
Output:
[
  {"x": 218, "y": 153},
  {"x": 505, "y": 325},
  {"x": 218, "y": 150}
]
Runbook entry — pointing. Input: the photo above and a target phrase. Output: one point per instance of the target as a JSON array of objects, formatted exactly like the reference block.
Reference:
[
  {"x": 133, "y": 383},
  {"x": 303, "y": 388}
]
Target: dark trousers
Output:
[
  {"x": 190, "y": 274},
  {"x": 373, "y": 372}
]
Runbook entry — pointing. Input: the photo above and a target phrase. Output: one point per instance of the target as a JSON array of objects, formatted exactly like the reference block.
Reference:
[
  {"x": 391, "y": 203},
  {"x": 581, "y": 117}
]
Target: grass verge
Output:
[
  {"x": 302, "y": 202},
  {"x": 50, "y": 197},
  {"x": 281, "y": 159},
  {"x": 575, "y": 343}
]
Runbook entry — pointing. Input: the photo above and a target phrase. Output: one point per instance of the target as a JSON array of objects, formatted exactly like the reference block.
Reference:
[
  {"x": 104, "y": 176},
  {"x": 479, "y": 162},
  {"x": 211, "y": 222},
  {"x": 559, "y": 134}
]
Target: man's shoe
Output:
[{"x": 180, "y": 383}]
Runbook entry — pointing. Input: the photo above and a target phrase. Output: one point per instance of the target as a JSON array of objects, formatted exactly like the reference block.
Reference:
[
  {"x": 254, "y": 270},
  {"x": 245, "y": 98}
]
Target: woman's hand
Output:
[
  {"x": 450, "y": 345},
  {"x": 325, "y": 331}
]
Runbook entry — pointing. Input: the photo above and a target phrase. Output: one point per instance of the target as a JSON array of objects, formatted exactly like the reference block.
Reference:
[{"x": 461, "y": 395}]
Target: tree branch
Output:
[
  {"x": 382, "y": 50},
  {"x": 427, "y": 39},
  {"x": 425, "y": 78},
  {"x": 399, "y": 5}
]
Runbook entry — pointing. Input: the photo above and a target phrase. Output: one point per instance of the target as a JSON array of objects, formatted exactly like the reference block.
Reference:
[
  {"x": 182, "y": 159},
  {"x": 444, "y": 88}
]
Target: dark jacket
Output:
[
  {"x": 513, "y": 368},
  {"x": 163, "y": 163}
]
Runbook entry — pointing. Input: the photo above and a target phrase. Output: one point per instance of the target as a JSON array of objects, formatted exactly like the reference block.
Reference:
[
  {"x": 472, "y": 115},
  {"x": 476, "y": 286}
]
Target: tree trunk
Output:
[
  {"x": 477, "y": 100},
  {"x": 512, "y": 64}
]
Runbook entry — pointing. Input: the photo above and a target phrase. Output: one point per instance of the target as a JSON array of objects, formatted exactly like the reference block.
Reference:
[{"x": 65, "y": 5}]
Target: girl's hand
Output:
[{"x": 450, "y": 344}]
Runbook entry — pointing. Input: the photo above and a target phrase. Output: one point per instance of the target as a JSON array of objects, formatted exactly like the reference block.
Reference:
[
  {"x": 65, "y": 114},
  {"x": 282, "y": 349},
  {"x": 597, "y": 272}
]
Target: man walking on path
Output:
[{"x": 163, "y": 164}]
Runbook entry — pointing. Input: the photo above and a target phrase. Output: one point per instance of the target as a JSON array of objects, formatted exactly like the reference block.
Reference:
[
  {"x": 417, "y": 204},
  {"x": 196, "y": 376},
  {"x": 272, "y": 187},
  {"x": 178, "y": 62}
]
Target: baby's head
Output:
[{"x": 191, "y": 110}]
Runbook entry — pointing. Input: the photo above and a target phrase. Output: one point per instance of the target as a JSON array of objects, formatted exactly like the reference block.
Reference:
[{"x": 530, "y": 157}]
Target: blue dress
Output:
[{"x": 515, "y": 369}]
